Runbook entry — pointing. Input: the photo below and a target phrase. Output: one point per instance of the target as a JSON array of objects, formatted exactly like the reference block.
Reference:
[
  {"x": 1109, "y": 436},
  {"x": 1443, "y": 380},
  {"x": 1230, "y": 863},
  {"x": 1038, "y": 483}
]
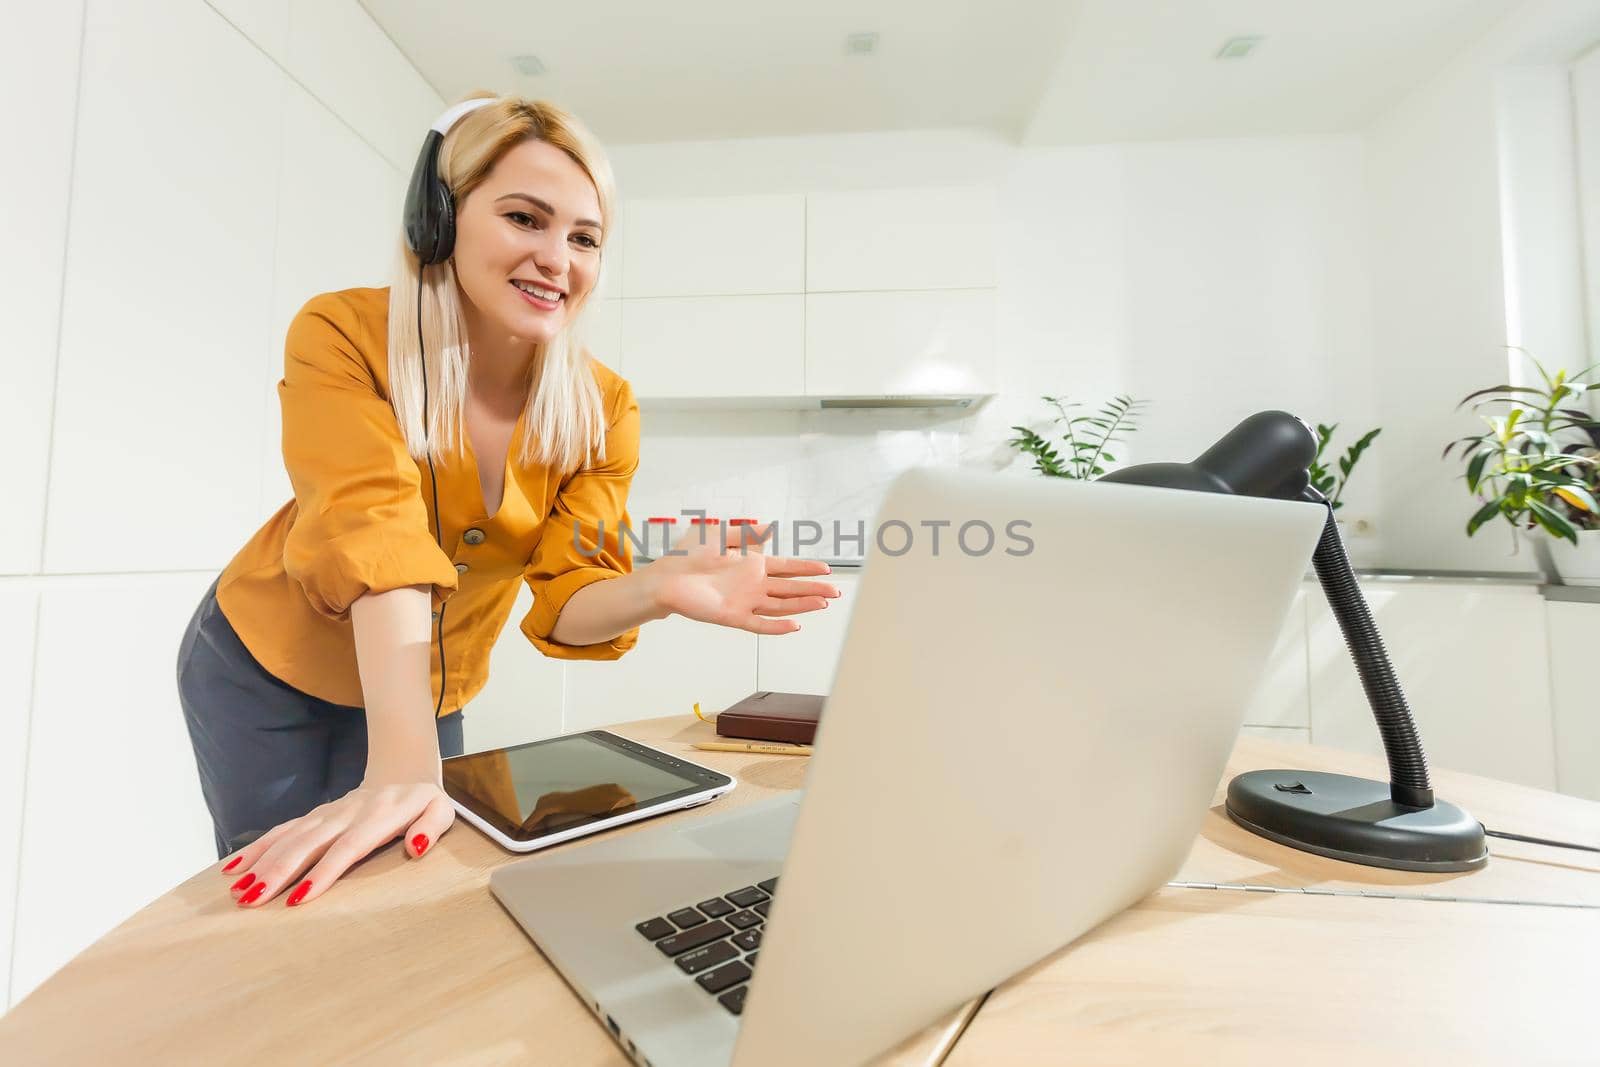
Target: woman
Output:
[{"x": 307, "y": 674}]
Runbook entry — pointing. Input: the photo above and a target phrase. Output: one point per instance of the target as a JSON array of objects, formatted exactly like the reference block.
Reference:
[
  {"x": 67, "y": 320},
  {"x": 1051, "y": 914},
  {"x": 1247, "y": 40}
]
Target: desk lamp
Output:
[{"x": 1397, "y": 824}]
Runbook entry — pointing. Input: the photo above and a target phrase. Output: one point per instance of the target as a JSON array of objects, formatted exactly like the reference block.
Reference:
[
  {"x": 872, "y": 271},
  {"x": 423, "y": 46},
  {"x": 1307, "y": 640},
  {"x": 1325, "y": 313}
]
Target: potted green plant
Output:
[
  {"x": 1535, "y": 466},
  {"x": 1086, "y": 438},
  {"x": 1328, "y": 484}
]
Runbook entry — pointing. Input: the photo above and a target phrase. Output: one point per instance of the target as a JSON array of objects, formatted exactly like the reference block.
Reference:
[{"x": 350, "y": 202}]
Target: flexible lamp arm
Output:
[
  {"x": 1408, "y": 766},
  {"x": 1269, "y": 455}
]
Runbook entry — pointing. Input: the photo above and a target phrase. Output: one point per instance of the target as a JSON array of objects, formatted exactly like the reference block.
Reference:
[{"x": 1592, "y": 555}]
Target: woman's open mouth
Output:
[{"x": 537, "y": 295}]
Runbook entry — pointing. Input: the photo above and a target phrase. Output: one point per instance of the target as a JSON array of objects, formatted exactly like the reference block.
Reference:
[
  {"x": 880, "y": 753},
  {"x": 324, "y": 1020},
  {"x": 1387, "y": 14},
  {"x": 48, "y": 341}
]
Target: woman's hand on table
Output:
[
  {"x": 307, "y": 855},
  {"x": 732, "y": 582}
]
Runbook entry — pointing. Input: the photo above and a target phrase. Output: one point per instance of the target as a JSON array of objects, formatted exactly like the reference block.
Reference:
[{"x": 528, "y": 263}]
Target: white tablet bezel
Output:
[{"x": 691, "y": 800}]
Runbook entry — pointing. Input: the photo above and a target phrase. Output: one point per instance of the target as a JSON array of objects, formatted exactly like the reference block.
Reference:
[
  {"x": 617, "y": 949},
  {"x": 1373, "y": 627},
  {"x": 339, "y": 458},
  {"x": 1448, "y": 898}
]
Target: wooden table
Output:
[
  {"x": 1402, "y": 974},
  {"x": 415, "y": 962}
]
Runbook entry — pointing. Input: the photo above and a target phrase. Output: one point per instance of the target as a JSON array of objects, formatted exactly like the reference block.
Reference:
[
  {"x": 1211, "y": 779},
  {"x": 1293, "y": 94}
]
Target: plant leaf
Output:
[{"x": 1482, "y": 515}]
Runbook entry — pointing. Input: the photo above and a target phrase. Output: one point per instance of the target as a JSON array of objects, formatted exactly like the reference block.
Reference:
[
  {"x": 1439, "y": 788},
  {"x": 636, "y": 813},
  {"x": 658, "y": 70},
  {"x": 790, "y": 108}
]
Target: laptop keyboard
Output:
[{"x": 714, "y": 942}]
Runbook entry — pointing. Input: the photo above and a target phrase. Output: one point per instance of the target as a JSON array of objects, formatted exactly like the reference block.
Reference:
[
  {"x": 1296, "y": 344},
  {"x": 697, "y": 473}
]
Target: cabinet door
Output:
[
  {"x": 714, "y": 346},
  {"x": 713, "y": 246},
  {"x": 19, "y": 610},
  {"x": 603, "y": 332},
  {"x": 676, "y": 663},
  {"x": 164, "y": 203},
  {"x": 41, "y": 68},
  {"x": 1572, "y": 637},
  {"x": 111, "y": 783},
  {"x": 1472, "y": 661},
  {"x": 900, "y": 239},
  {"x": 1296, "y": 734},
  {"x": 803, "y": 662},
  {"x": 861, "y": 344},
  {"x": 522, "y": 700}
]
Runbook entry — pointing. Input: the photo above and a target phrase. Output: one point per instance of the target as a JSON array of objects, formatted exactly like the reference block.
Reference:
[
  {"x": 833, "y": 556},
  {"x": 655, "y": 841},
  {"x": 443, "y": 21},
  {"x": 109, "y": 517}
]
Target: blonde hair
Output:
[{"x": 564, "y": 422}]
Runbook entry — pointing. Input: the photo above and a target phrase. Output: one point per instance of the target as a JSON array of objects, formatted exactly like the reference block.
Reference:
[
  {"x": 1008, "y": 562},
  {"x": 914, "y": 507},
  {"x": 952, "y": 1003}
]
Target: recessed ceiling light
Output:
[
  {"x": 1238, "y": 47},
  {"x": 528, "y": 64},
  {"x": 860, "y": 44}
]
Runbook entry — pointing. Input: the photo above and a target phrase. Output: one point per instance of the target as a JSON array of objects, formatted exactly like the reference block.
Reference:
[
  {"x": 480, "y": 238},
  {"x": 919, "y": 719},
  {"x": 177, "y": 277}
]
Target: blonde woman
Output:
[{"x": 447, "y": 438}]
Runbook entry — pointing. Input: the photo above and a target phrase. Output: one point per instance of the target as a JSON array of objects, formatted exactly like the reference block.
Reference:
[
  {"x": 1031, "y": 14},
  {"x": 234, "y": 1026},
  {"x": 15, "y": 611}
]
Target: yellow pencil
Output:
[{"x": 754, "y": 746}]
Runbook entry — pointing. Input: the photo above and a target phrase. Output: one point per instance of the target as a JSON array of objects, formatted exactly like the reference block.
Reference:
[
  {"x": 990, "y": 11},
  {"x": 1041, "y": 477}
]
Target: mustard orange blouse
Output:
[{"x": 361, "y": 521}]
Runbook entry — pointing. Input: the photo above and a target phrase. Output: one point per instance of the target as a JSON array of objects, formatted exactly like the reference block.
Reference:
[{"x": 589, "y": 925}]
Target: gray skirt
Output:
[{"x": 267, "y": 752}]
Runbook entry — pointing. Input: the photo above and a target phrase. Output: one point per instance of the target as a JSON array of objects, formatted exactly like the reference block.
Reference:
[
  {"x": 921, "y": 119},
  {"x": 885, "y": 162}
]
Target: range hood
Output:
[{"x": 949, "y": 403}]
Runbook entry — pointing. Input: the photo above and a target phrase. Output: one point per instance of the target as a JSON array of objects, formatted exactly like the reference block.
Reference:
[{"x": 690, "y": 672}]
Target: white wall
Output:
[
  {"x": 1215, "y": 278},
  {"x": 1541, "y": 231},
  {"x": 1440, "y": 321},
  {"x": 1586, "y": 123},
  {"x": 194, "y": 173}
]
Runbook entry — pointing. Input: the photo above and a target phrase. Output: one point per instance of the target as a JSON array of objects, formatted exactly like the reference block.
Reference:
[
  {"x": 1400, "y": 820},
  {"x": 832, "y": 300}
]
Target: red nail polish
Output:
[
  {"x": 254, "y": 894},
  {"x": 232, "y": 864},
  {"x": 419, "y": 844},
  {"x": 243, "y": 883},
  {"x": 299, "y": 893}
]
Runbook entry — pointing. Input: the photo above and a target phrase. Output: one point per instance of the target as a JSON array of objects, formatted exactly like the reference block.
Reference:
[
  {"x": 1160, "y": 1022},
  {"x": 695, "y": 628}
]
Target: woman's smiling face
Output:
[{"x": 528, "y": 243}]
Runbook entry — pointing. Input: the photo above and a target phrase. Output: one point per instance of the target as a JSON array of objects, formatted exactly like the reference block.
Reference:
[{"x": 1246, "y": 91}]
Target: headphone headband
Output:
[{"x": 454, "y": 114}]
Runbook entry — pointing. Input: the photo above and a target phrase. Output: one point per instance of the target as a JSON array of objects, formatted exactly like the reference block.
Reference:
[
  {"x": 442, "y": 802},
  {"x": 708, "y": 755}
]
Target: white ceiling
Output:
[
  {"x": 1145, "y": 69},
  {"x": 1044, "y": 71}
]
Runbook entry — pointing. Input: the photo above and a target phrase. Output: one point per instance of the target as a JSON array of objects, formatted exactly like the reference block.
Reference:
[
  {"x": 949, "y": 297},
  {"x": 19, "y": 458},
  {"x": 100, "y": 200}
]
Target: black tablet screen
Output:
[{"x": 543, "y": 787}]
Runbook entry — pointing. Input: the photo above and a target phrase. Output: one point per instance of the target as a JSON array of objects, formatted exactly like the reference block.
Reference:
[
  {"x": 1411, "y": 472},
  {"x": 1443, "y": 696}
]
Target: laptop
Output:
[{"x": 1024, "y": 732}]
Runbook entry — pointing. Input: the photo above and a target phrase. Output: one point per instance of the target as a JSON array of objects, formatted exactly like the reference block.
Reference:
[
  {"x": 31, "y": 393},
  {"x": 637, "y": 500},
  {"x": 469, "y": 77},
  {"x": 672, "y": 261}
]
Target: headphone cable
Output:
[{"x": 433, "y": 478}]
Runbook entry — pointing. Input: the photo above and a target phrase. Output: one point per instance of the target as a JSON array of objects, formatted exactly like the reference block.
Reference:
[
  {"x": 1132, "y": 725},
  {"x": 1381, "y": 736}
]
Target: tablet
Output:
[{"x": 545, "y": 792}]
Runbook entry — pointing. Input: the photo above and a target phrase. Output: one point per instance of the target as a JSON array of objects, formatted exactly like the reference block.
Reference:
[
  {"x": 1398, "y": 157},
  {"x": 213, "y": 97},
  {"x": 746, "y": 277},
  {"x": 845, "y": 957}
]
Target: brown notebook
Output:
[{"x": 766, "y": 716}]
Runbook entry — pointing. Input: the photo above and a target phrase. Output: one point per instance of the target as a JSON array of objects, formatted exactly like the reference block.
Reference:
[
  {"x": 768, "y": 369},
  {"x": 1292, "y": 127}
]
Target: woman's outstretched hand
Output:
[
  {"x": 732, "y": 582},
  {"x": 308, "y": 854}
]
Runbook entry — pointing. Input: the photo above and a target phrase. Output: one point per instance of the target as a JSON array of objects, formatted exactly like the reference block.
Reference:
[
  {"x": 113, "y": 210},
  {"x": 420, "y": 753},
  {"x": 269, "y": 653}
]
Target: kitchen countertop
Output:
[{"x": 1569, "y": 593}]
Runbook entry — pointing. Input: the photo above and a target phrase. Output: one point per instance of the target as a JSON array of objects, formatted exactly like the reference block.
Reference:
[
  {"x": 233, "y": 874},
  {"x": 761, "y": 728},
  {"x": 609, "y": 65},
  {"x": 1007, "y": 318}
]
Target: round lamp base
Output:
[{"x": 1354, "y": 819}]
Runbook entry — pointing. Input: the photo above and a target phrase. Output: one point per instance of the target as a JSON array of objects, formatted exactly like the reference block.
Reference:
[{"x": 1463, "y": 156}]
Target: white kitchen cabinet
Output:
[
  {"x": 676, "y": 663},
  {"x": 40, "y": 75},
  {"x": 1470, "y": 657},
  {"x": 603, "y": 328},
  {"x": 338, "y": 205},
  {"x": 1298, "y": 734},
  {"x": 714, "y": 346},
  {"x": 934, "y": 238},
  {"x": 114, "y": 817},
  {"x": 19, "y": 606},
  {"x": 522, "y": 700},
  {"x": 1574, "y": 629},
  {"x": 346, "y": 60},
  {"x": 903, "y": 343},
  {"x": 164, "y": 203},
  {"x": 713, "y": 246},
  {"x": 803, "y": 662},
  {"x": 1284, "y": 699}
]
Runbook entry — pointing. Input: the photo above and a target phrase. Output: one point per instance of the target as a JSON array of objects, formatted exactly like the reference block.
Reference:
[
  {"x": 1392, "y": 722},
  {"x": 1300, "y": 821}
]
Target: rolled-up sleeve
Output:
[
  {"x": 588, "y": 501},
  {"x": 361, "y": 524}
]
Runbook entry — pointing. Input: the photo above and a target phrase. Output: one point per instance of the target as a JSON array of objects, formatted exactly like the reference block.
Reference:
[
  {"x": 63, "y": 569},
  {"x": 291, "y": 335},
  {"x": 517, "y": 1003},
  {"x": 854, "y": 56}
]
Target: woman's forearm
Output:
[
  {"x": 392, "y": 633},
  {"x": 602, "y": 610}
]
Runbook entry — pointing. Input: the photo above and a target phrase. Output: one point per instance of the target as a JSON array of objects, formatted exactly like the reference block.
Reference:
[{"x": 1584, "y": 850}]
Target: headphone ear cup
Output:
[
  {"x": 423, "y": 196},
  {"x": 444, "y": 234}
]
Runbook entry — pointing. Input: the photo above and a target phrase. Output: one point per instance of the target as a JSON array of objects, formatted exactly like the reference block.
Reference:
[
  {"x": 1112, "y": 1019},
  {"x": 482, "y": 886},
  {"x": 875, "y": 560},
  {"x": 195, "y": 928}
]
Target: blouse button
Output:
[
  {"x": 461, "y": 568},
  {"x": 473, "y": 536}
]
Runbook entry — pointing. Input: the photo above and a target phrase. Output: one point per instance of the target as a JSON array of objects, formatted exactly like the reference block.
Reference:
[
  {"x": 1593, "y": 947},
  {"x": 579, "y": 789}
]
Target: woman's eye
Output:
[{"x": 522, "y": 218}]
